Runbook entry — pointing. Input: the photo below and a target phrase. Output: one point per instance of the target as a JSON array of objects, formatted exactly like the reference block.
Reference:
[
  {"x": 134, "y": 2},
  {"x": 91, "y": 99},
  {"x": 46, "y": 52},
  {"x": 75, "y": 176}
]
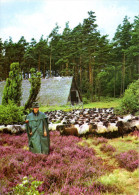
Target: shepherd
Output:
[{"x": 37, "y": 131}]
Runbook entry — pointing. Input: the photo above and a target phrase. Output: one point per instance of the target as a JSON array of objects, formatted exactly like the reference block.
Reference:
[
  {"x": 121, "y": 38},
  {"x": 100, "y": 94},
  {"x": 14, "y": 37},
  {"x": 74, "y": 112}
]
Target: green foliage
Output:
[
  {"x": 35, "y": 81},
  {"x": 85, "y": 100},
  {"x": 28, "y": 187},
  {"x": 100, "y": 67},
  {"x": 11, "y": 113},
  {"x": 12, "y": 89},
  {"x": 130, "y": 101}
]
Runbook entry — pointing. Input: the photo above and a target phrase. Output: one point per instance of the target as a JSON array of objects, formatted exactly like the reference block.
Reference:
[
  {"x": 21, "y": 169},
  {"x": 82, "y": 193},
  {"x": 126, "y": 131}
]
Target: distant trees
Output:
[{"x": 100, "y": 67}]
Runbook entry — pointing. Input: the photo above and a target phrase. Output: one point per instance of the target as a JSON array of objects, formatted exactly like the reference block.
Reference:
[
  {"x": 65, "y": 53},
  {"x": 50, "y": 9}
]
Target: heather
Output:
[
  {"x": 100, "y": 140},
  {"x": 68, "y": 166},
  {"x": 107, "y": 148},
  {"x": 74, "y": 166},
  {"x": 128, "y": 160}
]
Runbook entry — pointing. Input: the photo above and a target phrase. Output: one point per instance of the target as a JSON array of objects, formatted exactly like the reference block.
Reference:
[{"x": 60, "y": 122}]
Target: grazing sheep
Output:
[
  {"x": 112, "y": 127},
  {"x": 102, "y": 120},
  {"x": 2, "y": 127},
  {"x": 101, "y": 128},
  {"x": 83, "y": 129},
  {"x": 52, "y": 126},
  {"x": 134, "y": 125},
  {"x": 125, "y": 118},
  {"x": 122, "y": 127},
  {"x": 69, "y": 131}
]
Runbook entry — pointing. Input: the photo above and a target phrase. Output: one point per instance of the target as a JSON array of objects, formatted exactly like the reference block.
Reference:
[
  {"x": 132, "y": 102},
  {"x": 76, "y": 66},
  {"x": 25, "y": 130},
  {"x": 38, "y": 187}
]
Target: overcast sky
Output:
[{"x": 33, "y": 18}]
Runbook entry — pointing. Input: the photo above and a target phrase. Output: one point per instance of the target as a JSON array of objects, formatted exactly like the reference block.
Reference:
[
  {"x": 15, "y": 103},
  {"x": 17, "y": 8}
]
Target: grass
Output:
[
  {"x": 106, "y": 103},
  {"x": 123, "y": 145},
  {"x": 123, "y": 180}
]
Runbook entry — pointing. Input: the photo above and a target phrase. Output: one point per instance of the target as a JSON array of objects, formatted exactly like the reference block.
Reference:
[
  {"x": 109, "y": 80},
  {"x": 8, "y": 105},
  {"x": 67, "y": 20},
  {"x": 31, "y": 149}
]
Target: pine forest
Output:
[{"x": 101, "y": 67}]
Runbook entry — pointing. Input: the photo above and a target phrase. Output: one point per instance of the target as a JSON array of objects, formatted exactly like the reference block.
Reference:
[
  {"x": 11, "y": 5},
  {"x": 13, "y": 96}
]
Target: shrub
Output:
[
  {"x": 11, "y": 114},
  {"x": 67, "y": 166},
  {"x": 107, "y": 148},
  {"x": 35, "y": 81},
  {"x": 85, "y": 100},
  {"x": 130, "y": 101},
  {"x": 12, "y": 90},
  {"x": 128, "y": 160},
  {"x": 28, "y": 186},
  {"x": 100, "y": 140}
]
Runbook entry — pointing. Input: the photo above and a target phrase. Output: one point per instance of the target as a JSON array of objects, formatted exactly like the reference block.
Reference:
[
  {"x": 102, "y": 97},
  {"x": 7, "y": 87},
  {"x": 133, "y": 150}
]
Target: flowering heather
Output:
[
  {"x": 69, "y": 168},
  {"x": 100, "y": 140},
  {"x": 135, "y": 133},
  {"x": 107, "y": 148},
  {"x": 128, "y": 160}
]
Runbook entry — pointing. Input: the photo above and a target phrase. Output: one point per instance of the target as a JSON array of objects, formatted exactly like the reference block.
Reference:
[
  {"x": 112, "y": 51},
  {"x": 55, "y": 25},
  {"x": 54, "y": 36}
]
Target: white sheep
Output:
[
  {"x": 112, "y": 127},
  {"x": 83, "y": 129},
  {"x": 101, "y": 128},
  {"x": 52, "y": 127},
  {"x": 2, "y": 127},
  {"x": 77, "y": 127},
  {"x": 134, "y": 124},
  {"x": 125, "y": 118}
]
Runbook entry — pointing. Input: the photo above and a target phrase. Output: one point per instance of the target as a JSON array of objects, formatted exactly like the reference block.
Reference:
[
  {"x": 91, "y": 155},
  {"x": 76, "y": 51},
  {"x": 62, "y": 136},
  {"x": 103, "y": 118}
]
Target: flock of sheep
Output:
[
  {"x": 90, "y": 121},
  {"x": 83, "y": 122}
]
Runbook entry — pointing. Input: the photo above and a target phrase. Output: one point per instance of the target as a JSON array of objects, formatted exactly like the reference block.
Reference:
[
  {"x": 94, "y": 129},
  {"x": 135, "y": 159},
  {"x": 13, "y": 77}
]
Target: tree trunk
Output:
[
  {"x": 123, "y": 75},
  {"x": 39, "y": 64},
  {"x": 137, "y": 65},
  {"x": 50, "y": 64},
  {"x": 91, "y": 79},
  {"x": 80, "y": 71},
  {"x": 99, "y": 90},
  {"x": 81, "y": 78},
  {"x": 90, "y": 72},
  {"x": 67, "y": 68},
  {"x": 75, "y": 70},
  {"x": 44, "y": 71},
  {"x": 114, "y": 81}
]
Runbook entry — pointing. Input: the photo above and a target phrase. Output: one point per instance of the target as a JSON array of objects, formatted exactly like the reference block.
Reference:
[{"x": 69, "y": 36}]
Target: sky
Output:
[{"x": 34, "y": 18}]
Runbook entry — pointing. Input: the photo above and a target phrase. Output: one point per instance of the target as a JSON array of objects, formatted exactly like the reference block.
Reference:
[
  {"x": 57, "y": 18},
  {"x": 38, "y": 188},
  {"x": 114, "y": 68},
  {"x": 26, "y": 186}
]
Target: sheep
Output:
[
  {"x": 53, "y": 126},
  {"x": 69, "y": 131},
  {"x": 101, "y": 128},
  {"x": 112, "y": 127},
  {"x": 2, "y": 127},
  {"x": 125, "y": 118},
  {"x": 102, "y": 120},
  {"x": 23, "y": 127},
  {"x": 134, "y": 125},
  {"x": 84, "y": 128},
  {"x": 11, "y": 128},
  {"x": 122, "y": 127}
]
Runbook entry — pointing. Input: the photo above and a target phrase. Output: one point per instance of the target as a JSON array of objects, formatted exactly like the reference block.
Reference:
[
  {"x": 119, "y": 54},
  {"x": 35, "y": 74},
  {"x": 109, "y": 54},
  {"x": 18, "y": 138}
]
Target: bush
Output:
[
  {"x": 130, "y": 101},
  {"x": 107, "y": 148},
  {"x": 35, "y": 81},
  {"x": 68, "y": 166},
  {"x": 11, "y": 114},
  {"x": 128, "y": 160},
  {"x": 100, "y": 140},
  {"x": 12, "y": 90},
  {"x": 28, "y": 186},
  {"x": 85, "y": 100}
]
